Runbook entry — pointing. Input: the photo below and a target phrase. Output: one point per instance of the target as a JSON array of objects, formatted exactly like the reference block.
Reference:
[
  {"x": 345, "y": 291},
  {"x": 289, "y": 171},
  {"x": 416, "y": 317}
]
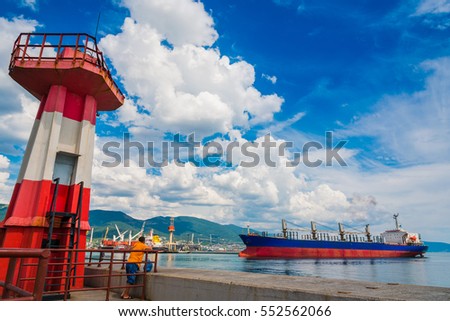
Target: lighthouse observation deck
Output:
[{"x": 40, "y": 60}]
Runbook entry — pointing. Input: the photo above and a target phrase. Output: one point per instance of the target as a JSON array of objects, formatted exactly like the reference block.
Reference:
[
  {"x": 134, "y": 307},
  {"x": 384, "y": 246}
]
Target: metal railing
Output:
[
  {"x": 110, "y": 266},
  {"x": 56, "y": 47},
  {"x": 116, "y": 258},
  {"x": 11, "y": 289},
  {"x": 56, "y": 277}
]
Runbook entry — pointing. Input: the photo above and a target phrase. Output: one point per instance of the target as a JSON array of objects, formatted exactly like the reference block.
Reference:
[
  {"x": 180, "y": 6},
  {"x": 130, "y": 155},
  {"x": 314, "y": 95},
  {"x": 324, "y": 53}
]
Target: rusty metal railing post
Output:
[
  {"x": 40, "y": 275},
  {"x": 68, "y": 274},
  {"x": 14, "y": 255},
  {"x": 9, "y": 276},
  {"x": 59, "y": 48},
  {"x": 90, "y": 258},
  {"x": 76, "y": 49},
  {"x": 44, "y": 38},
  {"x": 156, "y": 262},
  {"x": 111, "y": 262},
  {"x": 25, "y": 48},
  {"x": 123, "y": 260},
  {"x": 100, "y": 258},
  {"x": 144, "y": 276},
  {"x": 85, "y": 49}
]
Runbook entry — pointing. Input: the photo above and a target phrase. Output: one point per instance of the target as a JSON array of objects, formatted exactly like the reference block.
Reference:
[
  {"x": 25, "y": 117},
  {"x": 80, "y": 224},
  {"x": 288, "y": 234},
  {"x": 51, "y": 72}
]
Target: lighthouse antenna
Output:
[{"x": 96, "y": 27}]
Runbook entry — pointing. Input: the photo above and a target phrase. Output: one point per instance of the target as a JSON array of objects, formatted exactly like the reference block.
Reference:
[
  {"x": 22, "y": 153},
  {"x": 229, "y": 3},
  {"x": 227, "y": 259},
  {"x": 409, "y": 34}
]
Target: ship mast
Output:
[
  {"x": 284, "y": 228},
  {"x": 397, "y": 226},
  {"x": 106, "y": 233},
  {"x": 369, "y": 238},
  {"x": 91, "y": 237},
  {"x": 313, "y": 230},
  {"x": 341, "y": 231}
]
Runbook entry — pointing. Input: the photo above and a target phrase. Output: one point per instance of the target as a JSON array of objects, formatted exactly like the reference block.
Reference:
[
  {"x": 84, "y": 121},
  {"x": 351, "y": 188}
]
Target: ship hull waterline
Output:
[{"x": 273, "y": 247}]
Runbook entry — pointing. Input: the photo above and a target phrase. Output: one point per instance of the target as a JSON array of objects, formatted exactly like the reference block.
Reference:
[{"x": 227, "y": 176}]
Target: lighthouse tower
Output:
[
  {"x": 49, "y": 207},
  {"x": 171, "y": 245}
]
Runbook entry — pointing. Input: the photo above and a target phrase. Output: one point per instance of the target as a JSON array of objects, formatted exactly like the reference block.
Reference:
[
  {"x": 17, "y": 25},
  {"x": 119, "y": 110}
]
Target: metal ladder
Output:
[{"x": 73, "y": 220}]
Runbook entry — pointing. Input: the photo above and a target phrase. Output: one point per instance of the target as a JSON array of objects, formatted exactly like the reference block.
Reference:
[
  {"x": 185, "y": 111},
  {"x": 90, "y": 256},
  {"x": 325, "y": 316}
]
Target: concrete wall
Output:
[{"x": 206, "y": 285}]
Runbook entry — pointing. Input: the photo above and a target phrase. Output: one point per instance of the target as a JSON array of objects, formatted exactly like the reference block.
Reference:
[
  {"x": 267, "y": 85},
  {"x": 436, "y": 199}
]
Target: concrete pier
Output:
[{"x": 208, "y": 285}]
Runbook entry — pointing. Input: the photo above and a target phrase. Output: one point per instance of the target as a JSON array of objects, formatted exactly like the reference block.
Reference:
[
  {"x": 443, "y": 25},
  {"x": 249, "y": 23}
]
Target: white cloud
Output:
[
  {"x": 325, "y": 204},
  {"x": 141, "y": 194},
  {"x": 5, "y": 190},
  {"x": 9, "y": 30},
  {"x": 179, "y": 21},
  {"x": 272, "y": 79},
  {"x": 263, "y": 193},
  {"x": 15, "y": 128},
  {"x": 17, "y": 109},
  {"x": 187, "y": 88},
  {"x": 433, "y": 7},
  {"x": 260, "y": 195},
  {"x": 4, "y": 163},
  {"x": 32, "y": 4}
]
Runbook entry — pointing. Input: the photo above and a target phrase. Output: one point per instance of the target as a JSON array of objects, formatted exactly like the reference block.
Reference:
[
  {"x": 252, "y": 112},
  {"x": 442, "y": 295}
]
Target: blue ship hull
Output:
[{"x": 264, "y": 246}]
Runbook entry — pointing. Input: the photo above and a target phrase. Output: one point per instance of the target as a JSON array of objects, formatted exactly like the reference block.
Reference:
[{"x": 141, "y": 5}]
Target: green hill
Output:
[{"x": 185, "y": 226}]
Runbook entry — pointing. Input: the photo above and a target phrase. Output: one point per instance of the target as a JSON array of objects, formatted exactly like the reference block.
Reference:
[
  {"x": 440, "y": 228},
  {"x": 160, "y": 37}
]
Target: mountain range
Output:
[{"x": 185, "y": 226}]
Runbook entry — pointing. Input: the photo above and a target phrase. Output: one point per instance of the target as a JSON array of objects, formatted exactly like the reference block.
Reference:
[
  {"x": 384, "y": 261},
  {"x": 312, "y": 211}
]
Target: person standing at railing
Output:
[{"x": 133, "y": 264}]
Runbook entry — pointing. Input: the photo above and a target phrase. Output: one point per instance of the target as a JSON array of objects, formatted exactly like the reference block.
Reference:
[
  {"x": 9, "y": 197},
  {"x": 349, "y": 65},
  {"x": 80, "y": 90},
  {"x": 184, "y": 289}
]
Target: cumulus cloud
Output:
[
  {"x": 15, "y": 127},
  {"x": 9, "y": 30},
  {"x": 260, "y": 195},
  {"x": 325, "y": 204},
  {"x": 141, "y": 193},
  {"x": 263, "y": 193},
  {"x": 179, "y": 21},
  {"x": 17, "y": 108},
  {"x": 186, "y": 87}
]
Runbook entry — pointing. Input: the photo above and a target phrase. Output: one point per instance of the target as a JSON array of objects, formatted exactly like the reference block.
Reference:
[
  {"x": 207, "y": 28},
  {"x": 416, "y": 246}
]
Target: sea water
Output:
[{"x": 430, "y": 270}]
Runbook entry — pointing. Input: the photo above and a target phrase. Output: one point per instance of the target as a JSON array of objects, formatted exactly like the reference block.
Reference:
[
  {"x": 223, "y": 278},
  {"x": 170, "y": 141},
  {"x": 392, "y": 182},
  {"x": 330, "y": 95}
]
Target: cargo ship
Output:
[{"x": 316, "y": 244}]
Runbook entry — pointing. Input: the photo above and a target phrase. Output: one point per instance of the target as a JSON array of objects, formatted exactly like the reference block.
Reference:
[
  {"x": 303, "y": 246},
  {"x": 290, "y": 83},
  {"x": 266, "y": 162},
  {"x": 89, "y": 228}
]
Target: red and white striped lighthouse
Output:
[{"x": 49, "y": 207}]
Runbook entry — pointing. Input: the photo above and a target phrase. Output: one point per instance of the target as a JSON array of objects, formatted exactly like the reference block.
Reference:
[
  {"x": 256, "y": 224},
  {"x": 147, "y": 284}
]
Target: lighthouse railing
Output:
[
  {"x": 77, "y": 48},
  {"x": 11, "y": 289}
]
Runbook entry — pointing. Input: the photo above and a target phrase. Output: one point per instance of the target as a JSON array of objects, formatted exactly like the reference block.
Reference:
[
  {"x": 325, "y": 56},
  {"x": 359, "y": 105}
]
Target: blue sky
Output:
[{"x": 375, "y": 73}]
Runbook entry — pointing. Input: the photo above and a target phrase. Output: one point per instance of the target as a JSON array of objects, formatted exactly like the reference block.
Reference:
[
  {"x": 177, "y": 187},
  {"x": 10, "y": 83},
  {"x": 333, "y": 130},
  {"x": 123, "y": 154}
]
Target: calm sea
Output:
[{"x": 430, "y": 270}]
